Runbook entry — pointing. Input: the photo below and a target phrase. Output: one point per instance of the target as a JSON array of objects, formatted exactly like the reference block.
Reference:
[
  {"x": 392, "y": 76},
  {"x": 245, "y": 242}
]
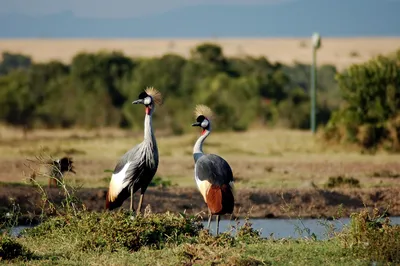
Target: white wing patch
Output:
[
  {"x": 203, "y": 186},
  {"x": 117, "y": 183}
]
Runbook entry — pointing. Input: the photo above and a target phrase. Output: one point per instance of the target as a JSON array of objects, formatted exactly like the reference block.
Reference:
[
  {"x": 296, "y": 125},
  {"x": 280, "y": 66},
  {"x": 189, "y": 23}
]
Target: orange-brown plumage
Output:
[{"x": 220, "y": 199}]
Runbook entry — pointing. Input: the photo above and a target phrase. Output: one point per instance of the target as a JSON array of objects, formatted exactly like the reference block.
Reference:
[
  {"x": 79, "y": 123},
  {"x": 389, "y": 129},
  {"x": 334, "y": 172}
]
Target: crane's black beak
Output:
[
  {"x": 197, "y": 124},
  {"x": 138, "y": 101}
]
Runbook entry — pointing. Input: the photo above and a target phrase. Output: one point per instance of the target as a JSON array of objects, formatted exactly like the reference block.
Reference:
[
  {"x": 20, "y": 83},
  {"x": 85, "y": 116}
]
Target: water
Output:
[
  {"x": 294, "y": 228},
  {"x": 280, "y": 228}
]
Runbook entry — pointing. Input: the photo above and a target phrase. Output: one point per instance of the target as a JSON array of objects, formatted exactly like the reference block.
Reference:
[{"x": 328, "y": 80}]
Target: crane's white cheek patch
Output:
[
  {"x": 204, "y": 186},
  {"x": 147, "y": 100},
  {"x": 117, "y": 183}
]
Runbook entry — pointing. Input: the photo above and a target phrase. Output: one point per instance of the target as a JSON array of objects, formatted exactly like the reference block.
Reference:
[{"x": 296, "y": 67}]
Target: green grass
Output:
[
  {"x": 288, "y": 252},
  {"x": 114, "y": 238}
]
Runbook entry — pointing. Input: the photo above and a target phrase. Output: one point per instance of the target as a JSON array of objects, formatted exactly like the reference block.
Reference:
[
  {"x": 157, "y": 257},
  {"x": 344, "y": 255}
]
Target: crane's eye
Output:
[
  {"x": 147, "y": 100},
  {"x": 205, "y": 123}
]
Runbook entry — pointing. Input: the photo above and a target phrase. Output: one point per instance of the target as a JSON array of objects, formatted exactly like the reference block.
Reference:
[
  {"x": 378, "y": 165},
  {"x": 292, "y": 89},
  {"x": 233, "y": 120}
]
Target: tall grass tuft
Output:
[{"x": 372, "y": 237}]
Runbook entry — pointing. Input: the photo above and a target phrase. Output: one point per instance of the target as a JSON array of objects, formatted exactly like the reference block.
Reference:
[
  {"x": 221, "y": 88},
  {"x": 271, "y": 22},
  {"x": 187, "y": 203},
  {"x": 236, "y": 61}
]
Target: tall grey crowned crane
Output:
[
  {"x": 137, "y": 167},
  {"x": 212, "y": 173}
]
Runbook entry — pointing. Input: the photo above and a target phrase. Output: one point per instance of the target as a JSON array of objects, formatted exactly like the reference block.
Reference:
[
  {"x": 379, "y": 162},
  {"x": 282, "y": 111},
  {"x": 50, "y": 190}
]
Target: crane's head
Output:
[
  {"x": 203, "y": 118},
  {"x": 149, "y": 98}
]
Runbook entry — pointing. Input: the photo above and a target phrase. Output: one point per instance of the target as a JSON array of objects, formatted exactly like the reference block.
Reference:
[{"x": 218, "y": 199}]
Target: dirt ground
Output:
[{"x": 252, "y": 203}]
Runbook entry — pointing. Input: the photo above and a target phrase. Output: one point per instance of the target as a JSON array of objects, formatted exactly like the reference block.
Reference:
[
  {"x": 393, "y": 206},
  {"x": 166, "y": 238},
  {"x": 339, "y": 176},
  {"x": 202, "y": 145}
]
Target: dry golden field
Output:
[
  {"x": 260, "y": 158},
  {"x": 337, "y": 51}
]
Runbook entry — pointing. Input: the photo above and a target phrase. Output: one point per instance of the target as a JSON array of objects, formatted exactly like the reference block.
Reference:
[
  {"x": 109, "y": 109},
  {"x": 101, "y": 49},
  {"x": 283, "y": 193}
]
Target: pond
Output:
[
  {"x": 279, "y": 228},
  {"x": 295, "y": 228}
]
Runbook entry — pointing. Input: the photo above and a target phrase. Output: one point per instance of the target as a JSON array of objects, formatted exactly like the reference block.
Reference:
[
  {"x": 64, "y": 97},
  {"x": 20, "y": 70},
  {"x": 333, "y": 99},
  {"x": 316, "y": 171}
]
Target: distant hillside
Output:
[{"x": 292, "y": 19}]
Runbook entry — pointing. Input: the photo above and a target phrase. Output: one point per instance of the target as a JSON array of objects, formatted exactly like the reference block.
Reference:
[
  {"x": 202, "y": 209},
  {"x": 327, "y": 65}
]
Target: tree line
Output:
[{"x": 96, "y": 90}]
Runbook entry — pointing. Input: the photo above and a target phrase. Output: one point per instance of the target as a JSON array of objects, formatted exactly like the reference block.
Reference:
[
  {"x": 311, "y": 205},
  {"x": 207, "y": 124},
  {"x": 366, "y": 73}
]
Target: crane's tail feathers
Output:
[
  {"x": 220, "y": 199},
  {"x": 155, "y": 94},
  {"x": 202, "y": 109}
]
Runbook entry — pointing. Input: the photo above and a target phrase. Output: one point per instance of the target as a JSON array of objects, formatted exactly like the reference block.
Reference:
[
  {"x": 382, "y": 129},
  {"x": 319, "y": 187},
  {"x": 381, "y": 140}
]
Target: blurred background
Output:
[{"x": 69, "y": 71}]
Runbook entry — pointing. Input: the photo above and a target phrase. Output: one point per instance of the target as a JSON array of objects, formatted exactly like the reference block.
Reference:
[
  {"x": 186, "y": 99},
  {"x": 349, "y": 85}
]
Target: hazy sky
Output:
[{"x": 114, "y": 8}]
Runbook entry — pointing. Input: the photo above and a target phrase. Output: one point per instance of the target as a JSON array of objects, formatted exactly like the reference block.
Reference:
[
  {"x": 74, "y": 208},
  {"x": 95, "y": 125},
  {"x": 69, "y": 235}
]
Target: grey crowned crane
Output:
[
  {"x": 137, "y": 167},
  {"x": 58, "y": 168},
  {"x": 212, "y": 173}
]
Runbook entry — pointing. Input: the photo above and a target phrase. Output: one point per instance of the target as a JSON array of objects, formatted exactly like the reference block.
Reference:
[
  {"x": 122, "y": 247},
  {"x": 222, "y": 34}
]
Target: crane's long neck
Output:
[
  {"x": 148, "y": 129},
  {"x": 198, "y": 146}
]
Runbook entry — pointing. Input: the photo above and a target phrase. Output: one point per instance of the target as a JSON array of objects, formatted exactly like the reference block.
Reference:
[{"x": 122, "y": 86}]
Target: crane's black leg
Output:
[
  {"x": 131, "y": 207},
  {"x": 217, "y": 224},
  {"x": 140, "y": 202}
]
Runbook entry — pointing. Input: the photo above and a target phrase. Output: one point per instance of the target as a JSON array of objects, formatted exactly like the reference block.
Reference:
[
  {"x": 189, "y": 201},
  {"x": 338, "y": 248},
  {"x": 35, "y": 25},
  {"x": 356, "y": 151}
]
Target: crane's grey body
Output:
[
  {"x": 214, "y": 169},
  {"x": 135, "y": 169}
]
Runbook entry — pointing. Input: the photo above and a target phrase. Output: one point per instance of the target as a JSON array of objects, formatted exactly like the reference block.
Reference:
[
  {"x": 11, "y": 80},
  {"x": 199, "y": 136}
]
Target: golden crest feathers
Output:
[
  {"x": 155, "y": 94},
  {"x": 203, "y": 110}
]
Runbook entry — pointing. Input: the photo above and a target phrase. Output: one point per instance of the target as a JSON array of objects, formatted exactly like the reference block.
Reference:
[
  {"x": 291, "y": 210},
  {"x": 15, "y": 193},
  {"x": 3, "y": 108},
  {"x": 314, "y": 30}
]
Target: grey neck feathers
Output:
[
  {"x": 149, "y": 149},
  {"x": 198, "y": 147},
  {"x": 148, "y": 129}
]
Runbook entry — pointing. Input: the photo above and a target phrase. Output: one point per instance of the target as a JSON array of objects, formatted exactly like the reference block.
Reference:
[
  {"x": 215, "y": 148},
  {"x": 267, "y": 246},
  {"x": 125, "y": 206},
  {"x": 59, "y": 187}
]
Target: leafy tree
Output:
[
  {"x": 14, "y": 61},
  {"x": 370, "y": 116},
  {"x": 17, "y": 101}
]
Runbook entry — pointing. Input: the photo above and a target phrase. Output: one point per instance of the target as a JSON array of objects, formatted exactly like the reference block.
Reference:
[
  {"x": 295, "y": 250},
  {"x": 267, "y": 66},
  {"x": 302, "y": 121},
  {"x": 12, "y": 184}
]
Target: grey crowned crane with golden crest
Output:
[
  {"x": 212, "y": 173},
  {"x": 137, "y": 167}
]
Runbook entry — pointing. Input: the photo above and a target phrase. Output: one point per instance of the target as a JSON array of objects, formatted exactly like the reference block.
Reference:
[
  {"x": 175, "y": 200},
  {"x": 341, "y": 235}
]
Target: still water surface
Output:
[
  {"x": 280, "y": 228},
  {"x": 295, "y": 228}
]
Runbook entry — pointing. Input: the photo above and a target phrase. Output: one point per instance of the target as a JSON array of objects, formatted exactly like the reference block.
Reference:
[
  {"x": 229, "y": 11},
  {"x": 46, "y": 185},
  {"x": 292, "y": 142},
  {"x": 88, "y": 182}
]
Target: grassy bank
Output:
[{"x": 177, "y": 239}]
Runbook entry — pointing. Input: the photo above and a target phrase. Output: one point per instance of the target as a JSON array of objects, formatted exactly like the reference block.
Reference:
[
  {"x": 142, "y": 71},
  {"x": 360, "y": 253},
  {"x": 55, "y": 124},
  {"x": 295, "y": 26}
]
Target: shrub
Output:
[
  {"x": 372, "y": 237},
  {"x": 115, "y": 230},
  {"x": 340, "y": 181},
  {"x": 370, "y": 116},
  {"x": 11, "y": 249}
]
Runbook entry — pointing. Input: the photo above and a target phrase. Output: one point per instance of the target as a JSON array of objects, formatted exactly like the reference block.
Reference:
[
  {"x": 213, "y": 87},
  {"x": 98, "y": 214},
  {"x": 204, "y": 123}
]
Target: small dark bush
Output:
[
  {"x": 10, "y": 249},
  {"x": 160, "y": 182},
  {"x": 247, "y": 234},
  {"x": 340, "y": 181},
  {"x": 386, "y": 173}
]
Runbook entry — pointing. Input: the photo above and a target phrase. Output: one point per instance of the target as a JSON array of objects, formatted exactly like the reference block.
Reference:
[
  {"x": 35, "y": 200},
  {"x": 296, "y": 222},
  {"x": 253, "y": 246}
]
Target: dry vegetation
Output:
[
  {"x": 278, "y": 172},
  {"x": 340, "y": 52},
  {"x": 260, "y": 158}
]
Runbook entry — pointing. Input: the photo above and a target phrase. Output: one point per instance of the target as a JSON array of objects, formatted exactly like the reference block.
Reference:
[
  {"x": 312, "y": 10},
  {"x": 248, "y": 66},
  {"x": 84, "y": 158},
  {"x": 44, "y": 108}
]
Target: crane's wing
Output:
[
  {"x": 127, "y": 172},
  {"x": 211, "y": 169}
]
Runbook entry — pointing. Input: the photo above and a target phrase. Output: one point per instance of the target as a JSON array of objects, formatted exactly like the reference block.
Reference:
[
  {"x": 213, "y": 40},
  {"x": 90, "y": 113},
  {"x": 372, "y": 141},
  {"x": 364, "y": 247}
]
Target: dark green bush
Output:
[
  {"x": 370, "y": 115},
  {"x": 11, "y": 249},
  {"x": 340, "y": 181}
]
